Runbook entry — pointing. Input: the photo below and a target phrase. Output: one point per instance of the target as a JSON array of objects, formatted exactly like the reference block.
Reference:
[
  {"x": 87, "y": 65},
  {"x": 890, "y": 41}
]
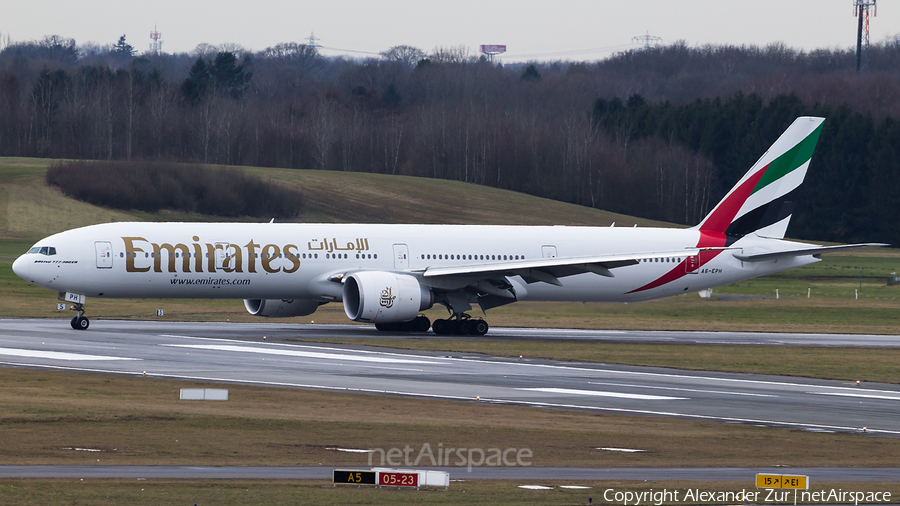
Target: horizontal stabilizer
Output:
[{"x": 761, "y": 257}]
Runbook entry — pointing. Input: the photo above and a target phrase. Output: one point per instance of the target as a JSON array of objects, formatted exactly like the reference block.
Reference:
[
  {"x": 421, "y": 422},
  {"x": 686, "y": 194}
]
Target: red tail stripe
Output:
[
  {"x": 724, "y": 213},
  {"x": 707, "y": 240}
]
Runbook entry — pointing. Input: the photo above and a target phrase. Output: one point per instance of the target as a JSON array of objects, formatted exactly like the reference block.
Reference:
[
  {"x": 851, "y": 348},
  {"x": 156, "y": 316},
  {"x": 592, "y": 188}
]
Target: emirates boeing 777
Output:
[{"x": 388, "y": 274}]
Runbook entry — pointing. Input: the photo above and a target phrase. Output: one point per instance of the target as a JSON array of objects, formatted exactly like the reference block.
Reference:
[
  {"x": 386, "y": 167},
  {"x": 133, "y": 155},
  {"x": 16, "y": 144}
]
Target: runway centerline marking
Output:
[
  {"x": 596, "y": 393},
  {"x": 56, "y": 355},
  {"x": 298, "y": 353}
]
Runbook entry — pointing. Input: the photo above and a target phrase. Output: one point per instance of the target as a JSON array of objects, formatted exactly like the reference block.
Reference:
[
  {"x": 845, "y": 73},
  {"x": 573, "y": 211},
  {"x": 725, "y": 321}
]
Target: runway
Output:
[{"x": 236, "y": 353}]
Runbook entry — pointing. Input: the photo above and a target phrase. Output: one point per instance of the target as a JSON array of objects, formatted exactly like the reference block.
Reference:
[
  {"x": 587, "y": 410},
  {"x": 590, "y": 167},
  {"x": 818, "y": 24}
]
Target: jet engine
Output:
[
  {"x": 384, "y": 297},
  {"x": 280, "y": 308}
]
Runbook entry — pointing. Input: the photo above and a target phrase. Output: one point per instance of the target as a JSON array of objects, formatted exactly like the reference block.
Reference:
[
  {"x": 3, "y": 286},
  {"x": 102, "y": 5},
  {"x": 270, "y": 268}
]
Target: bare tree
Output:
[
  {"x": 324, "y": 125},
  {"x": 204, "y": 50},
  {"x": 450, "y": 54},
  {"x": 407, "y": 55}
]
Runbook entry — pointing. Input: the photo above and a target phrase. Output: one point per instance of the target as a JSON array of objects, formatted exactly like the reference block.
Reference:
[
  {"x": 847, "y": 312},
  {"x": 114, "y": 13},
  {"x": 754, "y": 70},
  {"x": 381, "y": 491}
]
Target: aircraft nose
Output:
[{"x": 20, "y": 267}]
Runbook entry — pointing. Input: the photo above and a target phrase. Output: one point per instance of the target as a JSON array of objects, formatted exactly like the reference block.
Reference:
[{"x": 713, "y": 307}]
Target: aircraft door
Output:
[
  {"x": 221, "y": 254},
  {"x": 401, "y": 257},
  {"x": 692, "y": 264},
  {"x": 548, "y": 251},
  {"x": 104, "y": 254}
]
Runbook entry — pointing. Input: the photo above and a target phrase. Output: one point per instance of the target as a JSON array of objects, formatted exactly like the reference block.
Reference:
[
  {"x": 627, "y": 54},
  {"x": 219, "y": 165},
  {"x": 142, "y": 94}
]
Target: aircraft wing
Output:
[{"x": 761, "y": 257}]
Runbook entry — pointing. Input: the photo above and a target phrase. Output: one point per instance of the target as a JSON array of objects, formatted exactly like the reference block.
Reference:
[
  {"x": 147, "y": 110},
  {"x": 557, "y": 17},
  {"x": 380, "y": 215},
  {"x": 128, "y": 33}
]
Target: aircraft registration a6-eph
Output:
[{"x": 388, "y": 274}]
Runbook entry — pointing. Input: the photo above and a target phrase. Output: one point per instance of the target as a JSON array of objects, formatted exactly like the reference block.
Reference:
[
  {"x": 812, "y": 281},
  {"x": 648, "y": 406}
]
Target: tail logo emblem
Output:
[{"x": 387, "y": 300}]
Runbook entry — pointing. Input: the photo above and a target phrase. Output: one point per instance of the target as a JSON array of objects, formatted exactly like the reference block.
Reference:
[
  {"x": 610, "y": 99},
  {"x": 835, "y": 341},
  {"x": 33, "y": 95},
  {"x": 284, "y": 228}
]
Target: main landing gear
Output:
[
  {"x": 417, "y": 324},
  {"x": 462, "y": 325},
  {"x": 80, "y": 322}
]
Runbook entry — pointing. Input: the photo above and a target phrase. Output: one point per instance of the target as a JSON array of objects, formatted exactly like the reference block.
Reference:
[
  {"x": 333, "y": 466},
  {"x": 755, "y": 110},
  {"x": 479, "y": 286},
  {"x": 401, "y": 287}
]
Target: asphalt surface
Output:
[{"x": 236, "y": 353}]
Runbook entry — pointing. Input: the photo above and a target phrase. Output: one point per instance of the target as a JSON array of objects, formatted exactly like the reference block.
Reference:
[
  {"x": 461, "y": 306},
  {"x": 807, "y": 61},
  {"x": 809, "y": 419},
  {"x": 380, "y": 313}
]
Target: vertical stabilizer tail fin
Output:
[{"x": 763, "y": 200}]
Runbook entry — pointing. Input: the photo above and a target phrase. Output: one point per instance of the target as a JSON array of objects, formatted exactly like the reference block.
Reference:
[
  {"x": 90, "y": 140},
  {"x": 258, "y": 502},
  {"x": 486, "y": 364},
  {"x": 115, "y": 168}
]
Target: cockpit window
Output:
[{"x": 43, "y": 250}]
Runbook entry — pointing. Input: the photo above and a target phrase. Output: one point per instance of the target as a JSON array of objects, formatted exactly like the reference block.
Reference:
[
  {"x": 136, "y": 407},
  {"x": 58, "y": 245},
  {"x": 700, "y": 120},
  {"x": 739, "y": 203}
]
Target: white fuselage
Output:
[{"x": 307, "y": 261}]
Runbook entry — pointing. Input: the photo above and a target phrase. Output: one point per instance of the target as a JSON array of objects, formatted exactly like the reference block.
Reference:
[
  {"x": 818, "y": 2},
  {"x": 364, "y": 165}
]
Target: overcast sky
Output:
[{"x": 561, "y": 29}]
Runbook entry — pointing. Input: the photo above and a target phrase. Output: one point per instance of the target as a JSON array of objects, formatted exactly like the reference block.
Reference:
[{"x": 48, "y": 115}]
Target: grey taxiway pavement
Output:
[
  {"x": 746, "y": 474},
  {"x": 236, "y": 353}
]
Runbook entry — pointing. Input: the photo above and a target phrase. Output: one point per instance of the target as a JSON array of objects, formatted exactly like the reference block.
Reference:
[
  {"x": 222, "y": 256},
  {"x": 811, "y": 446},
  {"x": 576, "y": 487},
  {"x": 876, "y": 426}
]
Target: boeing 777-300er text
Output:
[{"x": 388, "y": 274}]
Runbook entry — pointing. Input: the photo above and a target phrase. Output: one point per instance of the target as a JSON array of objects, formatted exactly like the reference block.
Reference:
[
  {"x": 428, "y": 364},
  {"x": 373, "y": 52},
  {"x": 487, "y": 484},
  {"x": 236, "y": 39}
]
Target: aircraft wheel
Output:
[
  {"x": 478, "y": 327},
  {"x": 80, "y": 323},
  {"x": 421, "y": 324},
  {"x": 440, "y": 327},
  {"x": 464, "y": 327}
]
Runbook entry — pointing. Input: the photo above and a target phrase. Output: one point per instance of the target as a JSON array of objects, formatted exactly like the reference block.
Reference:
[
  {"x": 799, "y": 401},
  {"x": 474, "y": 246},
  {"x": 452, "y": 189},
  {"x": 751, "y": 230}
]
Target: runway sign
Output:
[
  {"x": 398, "y": 479},
  {"x": 354, "y": 477},
  {"x": 782, "y": 481}
]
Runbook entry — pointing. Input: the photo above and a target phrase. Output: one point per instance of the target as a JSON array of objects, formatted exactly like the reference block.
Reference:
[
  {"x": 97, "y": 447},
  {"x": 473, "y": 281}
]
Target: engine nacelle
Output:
[
  {"x": 280, "y": 308},
  {"x": 384, "y": 297}
]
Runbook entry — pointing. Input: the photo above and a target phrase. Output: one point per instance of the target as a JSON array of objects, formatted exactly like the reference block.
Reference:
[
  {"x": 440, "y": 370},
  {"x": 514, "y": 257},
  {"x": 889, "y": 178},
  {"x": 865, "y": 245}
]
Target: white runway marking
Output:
[
  {"x": 679, "y": 389},
  {"x": 56, "y": 355},
  {"x": 862, "y": 395},
  {"x": 296, "y": 353},
  {"x": 620, "y": 395},
  {"x": 626, "y": 450}
]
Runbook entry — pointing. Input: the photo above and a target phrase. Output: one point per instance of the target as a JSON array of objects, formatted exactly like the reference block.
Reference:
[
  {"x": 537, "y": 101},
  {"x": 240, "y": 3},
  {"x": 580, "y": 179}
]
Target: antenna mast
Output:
[
  {"x": 861, "y": 11},
  {"x": 156, "y": 45}
]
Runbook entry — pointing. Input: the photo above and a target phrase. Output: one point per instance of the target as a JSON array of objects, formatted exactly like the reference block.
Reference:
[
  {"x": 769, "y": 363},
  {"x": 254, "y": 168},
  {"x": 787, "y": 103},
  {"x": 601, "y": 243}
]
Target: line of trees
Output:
[{"x": 661, "y": 133}]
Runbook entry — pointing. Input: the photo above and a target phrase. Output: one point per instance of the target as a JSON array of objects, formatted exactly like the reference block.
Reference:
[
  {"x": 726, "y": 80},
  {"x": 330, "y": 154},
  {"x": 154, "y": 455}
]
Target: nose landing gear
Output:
[{"x": 80, "y": 322}]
